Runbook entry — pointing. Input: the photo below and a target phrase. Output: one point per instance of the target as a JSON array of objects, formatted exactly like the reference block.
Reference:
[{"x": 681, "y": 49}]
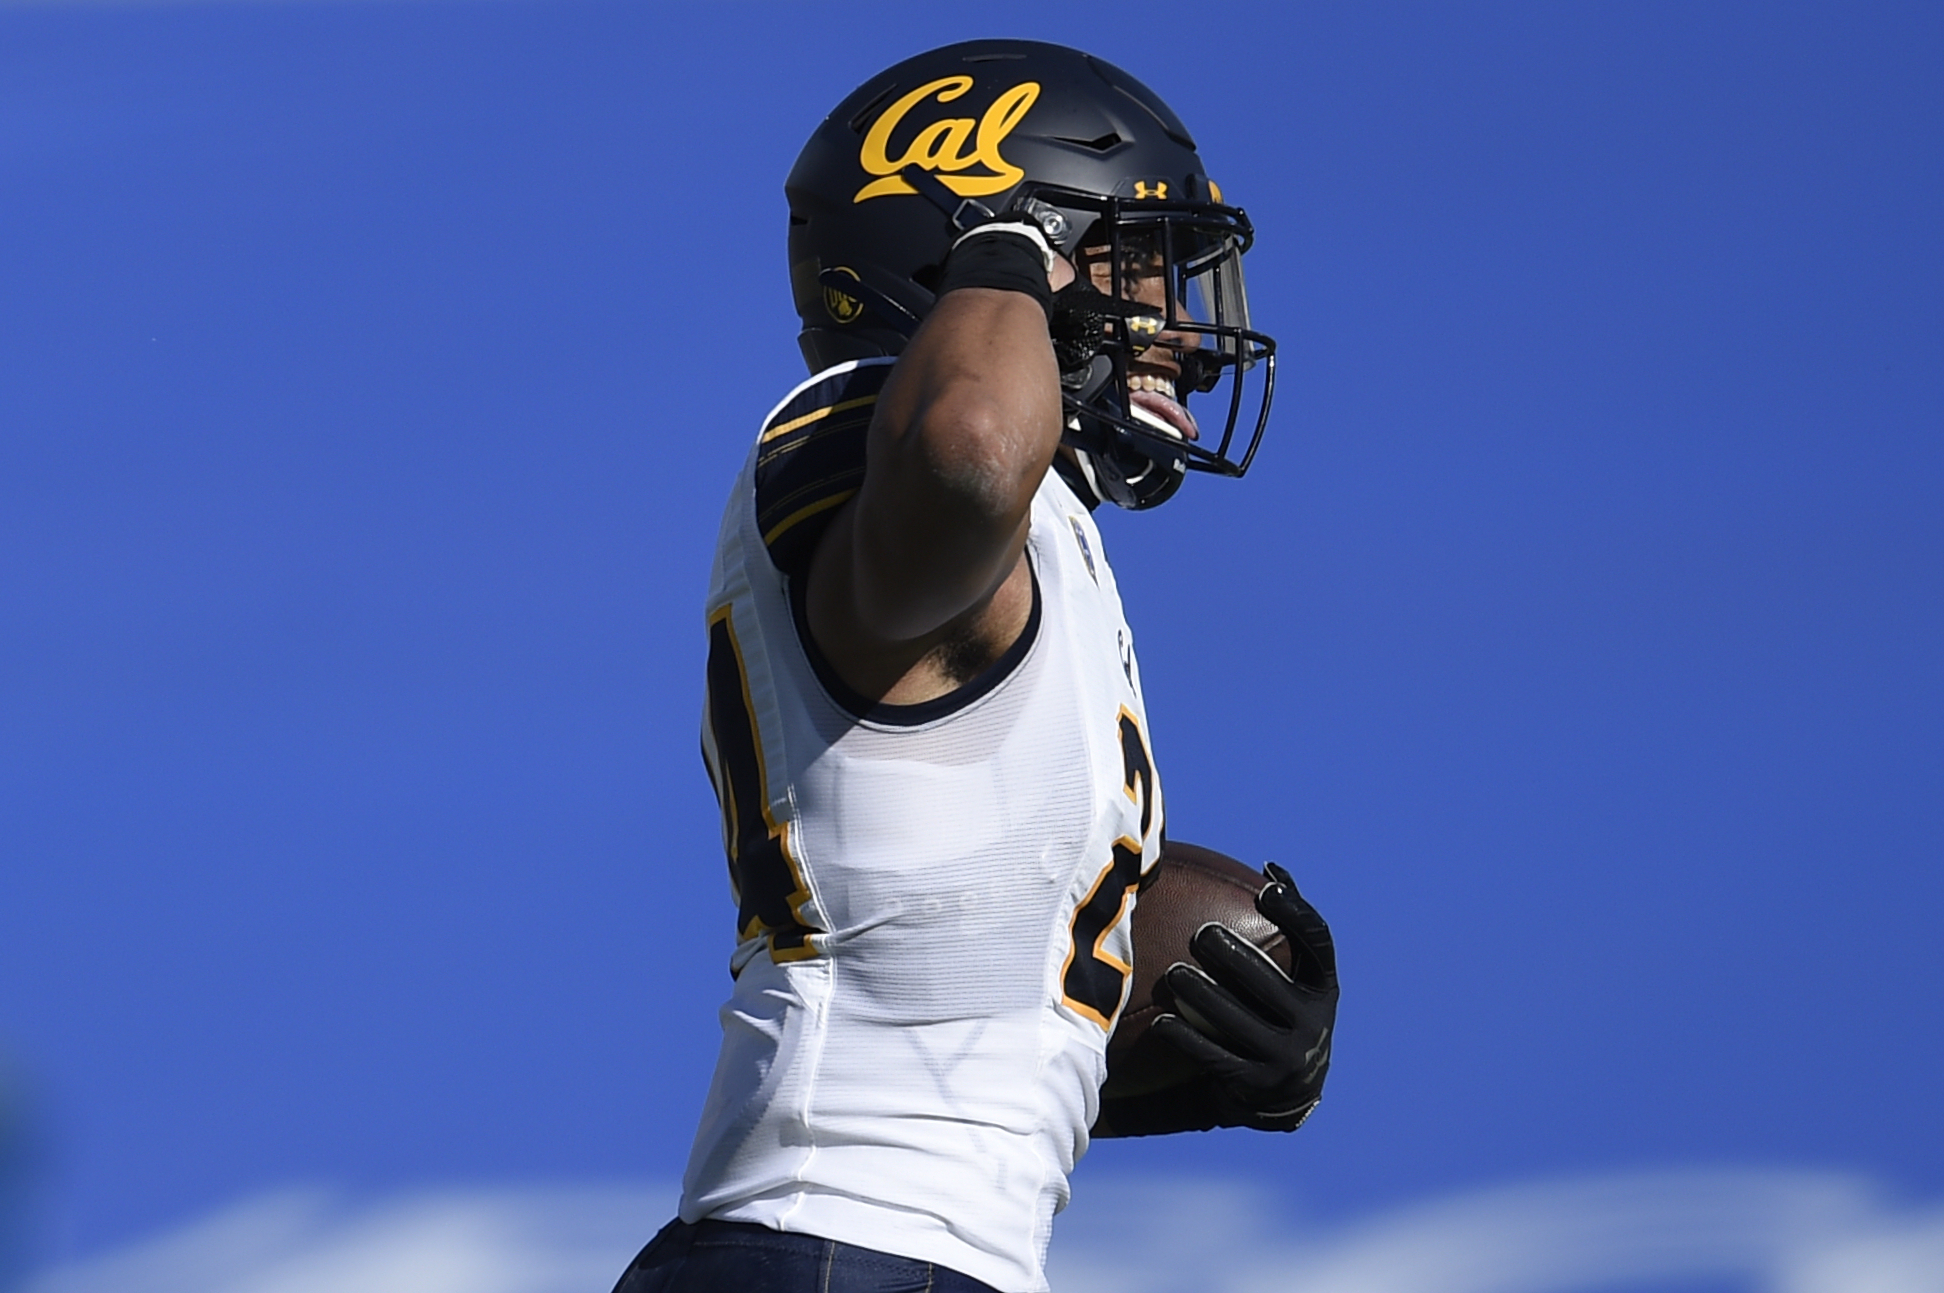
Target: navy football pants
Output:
[{"x": 732, "y": 1257}]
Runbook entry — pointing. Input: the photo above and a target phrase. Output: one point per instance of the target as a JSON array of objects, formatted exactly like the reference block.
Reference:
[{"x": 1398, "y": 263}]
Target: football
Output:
[{"x": 1192, "y": 886}]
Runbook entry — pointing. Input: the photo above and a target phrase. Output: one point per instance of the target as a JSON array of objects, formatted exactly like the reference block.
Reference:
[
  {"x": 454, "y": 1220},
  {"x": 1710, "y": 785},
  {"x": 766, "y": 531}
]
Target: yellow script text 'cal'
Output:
[{"x": 940, "y": 147}]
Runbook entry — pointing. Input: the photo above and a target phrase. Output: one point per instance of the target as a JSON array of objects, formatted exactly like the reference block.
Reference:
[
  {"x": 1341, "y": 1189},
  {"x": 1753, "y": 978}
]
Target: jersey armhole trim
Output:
[
  {"x": 835, "y": 370},
  {"x": 925, "y": 711}
]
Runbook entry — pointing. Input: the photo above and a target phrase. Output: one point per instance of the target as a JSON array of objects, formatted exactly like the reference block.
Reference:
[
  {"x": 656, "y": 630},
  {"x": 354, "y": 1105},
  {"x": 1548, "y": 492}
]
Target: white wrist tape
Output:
[{"x": 1024, "y": 228}]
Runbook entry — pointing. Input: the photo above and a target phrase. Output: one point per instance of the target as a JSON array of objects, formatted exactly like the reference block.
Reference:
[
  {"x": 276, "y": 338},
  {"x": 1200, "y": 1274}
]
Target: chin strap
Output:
[
  {"x": 1076, "y": 468},
  {"x": 964, "y": 213}
]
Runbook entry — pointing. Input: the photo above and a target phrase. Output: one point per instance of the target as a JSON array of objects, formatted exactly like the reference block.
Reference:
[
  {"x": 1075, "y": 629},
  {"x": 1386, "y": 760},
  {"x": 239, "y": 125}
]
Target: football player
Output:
[{"x": 924, "y": 717}]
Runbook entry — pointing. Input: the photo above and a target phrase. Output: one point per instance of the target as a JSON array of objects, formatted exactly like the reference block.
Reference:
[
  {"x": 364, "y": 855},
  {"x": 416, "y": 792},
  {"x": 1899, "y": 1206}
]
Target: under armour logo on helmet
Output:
[{"x": 1157, "y": 190}]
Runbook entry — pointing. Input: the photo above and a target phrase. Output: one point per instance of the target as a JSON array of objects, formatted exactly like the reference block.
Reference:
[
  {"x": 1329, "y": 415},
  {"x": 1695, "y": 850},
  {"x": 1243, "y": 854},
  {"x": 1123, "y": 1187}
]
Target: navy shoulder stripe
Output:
[{"x": 811, "y": 460}]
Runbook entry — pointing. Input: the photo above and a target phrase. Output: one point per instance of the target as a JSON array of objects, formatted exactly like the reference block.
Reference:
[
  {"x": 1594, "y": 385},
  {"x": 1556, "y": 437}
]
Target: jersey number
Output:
[
  {"x": 1094, "y": 980},
  {"x": 769, "y": 890}
]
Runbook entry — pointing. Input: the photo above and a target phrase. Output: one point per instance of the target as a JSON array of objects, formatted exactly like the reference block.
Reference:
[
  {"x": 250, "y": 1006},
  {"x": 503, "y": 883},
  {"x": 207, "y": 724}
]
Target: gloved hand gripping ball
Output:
[
  {"x": 1239, "y": 1038},
  {"x": 1261, "y": 1033}
]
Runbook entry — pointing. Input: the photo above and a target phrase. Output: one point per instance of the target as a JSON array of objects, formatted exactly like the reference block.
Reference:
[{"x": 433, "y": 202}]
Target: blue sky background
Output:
[{"x": 371, "y": 378}]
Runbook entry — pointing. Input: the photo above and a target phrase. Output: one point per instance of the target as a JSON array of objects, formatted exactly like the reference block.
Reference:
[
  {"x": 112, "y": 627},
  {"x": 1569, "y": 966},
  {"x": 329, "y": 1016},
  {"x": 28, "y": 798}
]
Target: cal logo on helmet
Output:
[{"x": 948, "y": 147}]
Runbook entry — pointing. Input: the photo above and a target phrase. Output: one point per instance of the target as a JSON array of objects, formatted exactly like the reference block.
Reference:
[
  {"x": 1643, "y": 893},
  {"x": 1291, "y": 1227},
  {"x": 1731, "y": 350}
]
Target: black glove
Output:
[
  {"x": 1082, "y": 319},
  {"x": 1260, "y": 1036}
]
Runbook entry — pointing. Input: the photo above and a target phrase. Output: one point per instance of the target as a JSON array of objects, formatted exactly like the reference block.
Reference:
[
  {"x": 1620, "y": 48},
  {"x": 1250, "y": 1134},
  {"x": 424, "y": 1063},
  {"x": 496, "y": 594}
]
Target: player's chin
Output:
[{"x": 1163, "y": 414}]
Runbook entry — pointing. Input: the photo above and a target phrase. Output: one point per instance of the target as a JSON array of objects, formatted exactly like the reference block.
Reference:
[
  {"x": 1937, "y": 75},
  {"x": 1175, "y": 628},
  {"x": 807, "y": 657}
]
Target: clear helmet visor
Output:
[
  {"x": 1213, "y": 293},
  {"x": 1189, "y": 271}
]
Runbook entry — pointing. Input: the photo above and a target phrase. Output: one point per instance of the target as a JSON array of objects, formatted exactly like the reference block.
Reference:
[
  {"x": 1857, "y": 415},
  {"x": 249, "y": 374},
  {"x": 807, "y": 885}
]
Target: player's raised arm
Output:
[{"x": 965, "y": 429}]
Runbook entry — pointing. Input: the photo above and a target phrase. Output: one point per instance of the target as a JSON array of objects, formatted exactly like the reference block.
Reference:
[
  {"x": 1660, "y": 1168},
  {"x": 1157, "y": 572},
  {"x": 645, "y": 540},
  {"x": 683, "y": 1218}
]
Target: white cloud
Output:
[
  {"x": 1764, "y": 1232},
  {"x": 471, "y": 1241}
]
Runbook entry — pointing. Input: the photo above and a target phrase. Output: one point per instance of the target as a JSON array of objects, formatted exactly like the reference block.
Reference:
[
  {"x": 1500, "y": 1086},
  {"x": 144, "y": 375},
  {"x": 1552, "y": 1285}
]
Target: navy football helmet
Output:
[{"x": 1020, "y": 129}]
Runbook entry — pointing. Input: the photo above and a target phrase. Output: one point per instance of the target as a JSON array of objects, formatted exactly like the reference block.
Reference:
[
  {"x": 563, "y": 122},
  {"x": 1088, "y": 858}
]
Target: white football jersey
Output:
[{"x": 933, "y": 899}]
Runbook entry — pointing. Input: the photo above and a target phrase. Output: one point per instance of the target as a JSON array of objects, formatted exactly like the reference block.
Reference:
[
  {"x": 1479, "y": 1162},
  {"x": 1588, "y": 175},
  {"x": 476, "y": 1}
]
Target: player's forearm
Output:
[
  {"x": 970, "y": 417},
  {"x": 965, "y": 431}
]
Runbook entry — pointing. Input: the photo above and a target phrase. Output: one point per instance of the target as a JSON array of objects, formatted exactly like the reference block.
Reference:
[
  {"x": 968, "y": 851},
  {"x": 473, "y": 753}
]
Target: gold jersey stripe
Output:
[
  {"x": 804, "y": 513},
  {"x": 841, "y": 406}
]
